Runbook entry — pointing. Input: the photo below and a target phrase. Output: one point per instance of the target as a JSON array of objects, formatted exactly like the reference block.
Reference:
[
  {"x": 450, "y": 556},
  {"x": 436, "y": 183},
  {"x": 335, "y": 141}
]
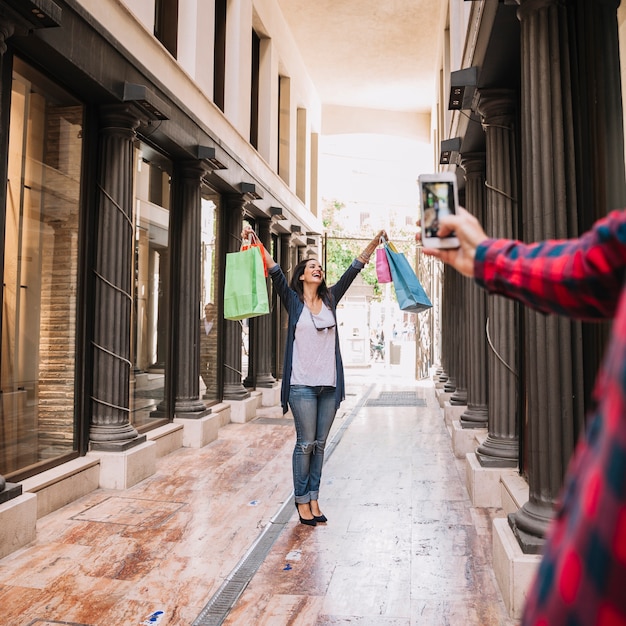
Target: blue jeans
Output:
[{"x": 313, "y": 410}]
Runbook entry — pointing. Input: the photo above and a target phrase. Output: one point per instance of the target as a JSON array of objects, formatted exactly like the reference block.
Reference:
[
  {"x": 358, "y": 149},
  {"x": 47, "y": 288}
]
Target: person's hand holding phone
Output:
[
  {"x": 470, "y": 234},
  {"x": 438, "y": 198}
]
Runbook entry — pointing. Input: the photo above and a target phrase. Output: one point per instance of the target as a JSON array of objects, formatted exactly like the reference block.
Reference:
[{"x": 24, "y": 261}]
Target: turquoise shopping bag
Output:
[{"x": 409, "y": 291}]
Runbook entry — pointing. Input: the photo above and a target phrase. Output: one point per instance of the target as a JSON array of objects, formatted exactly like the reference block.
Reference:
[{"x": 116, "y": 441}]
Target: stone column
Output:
[
  {"x": 231, "y": 234},
  {"x": 284, "y": 259},
  {"x": 263, "y": 351},
  {"x": 459, "y": 348},
  {"x": 568, "y": 53},
  {"x": 110, "y": 414},
  {"x": 501, "y": 448},
  {"x": 476, "y": 414},
  {"x": 187, "y": 201},
  {"x": 448, "y": 329}
]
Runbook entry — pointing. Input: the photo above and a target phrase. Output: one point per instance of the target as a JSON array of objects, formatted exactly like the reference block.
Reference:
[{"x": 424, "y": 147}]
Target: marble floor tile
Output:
[{"x": 403, "y": 545}]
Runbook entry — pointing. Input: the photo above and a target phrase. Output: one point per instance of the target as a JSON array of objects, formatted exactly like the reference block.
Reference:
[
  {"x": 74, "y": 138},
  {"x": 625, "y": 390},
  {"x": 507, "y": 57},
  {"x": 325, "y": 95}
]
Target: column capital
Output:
[
  {"x": 193, "y": 170},
  {"x": 474, "y": 164},
  {"x": 497, "y": 105},
  {"x": 124, "y": 118},
  {"x": 532, "y": 6},
  {"x": 7, "y": 29}
]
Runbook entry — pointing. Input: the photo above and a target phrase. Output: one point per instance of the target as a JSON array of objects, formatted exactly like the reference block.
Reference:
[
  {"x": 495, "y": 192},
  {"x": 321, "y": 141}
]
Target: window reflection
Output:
[
  {"x": 37, "y": 364},
  {"x": 209, "y": 314},
  {"x": 152, "y": 287}
]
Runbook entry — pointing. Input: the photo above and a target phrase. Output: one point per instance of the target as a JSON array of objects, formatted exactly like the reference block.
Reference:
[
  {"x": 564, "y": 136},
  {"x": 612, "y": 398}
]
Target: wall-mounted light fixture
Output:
[
  {"x": 448, "y": 146},
  {"x": 462, "y": 88},
  {"x": 296, "y": 229},
  {"x": 147, "y": 100},
  {"x": 250, "y": 190},
  {"x": 37, "y": 13},
  {"x": 276, "y": 213},
  {"x": 208, "y": 154}
]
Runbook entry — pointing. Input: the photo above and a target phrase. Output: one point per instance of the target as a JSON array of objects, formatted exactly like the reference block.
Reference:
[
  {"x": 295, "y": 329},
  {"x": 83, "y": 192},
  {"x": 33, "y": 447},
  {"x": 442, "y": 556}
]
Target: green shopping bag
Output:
[{"x": 245, "y": 288}]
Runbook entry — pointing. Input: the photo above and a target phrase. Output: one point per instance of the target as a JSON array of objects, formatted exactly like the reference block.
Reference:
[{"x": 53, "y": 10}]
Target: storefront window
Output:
[
  {"x": 152, "y": 288},
  {"x": 209, "y": 328},
  {"x": 37, "y": 366}
]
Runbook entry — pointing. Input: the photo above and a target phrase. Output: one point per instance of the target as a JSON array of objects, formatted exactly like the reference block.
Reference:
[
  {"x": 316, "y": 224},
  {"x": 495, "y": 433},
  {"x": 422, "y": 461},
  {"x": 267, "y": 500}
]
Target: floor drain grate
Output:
[
  {"x": 225, "y": 598},
  {"x": 397, "y": 398}
]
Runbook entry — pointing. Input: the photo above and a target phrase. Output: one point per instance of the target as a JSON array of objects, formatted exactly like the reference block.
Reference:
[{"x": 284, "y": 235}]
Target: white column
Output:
[
  {"x": 268, "y": 103},
  {"x": 238, "y": 64}
]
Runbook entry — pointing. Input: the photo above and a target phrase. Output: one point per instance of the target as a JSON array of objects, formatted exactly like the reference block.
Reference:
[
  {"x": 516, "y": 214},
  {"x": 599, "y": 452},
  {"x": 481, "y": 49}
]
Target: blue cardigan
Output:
[{"x": 293, "y": 305}]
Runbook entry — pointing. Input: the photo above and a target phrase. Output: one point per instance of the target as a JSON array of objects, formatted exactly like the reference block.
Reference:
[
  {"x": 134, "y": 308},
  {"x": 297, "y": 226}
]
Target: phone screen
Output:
[{"x": 437, "y": 201}]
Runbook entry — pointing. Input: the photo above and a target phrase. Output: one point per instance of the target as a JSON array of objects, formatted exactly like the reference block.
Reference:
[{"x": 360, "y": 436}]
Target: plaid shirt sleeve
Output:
[
  {"x": 581, "y": 580},
  {"x": 579, "y": 278}
]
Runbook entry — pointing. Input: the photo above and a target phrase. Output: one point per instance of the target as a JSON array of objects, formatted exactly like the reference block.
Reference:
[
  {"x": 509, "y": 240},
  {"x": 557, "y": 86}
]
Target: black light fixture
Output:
[
  {"x": 448, "y": 146},
  {"x": 276, "y": 213},
  {"x": 208, "y": 154},
  {"x": 296, "y": 229},
  {"x": 37, "y": 13},
  {"x": 462, "y": 87},
  {"x": 147, "y": 100},
  {"x": 249, "y": 189}
]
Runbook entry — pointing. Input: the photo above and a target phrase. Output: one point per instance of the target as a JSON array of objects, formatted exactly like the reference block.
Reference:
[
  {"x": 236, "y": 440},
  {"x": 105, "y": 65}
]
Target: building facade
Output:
[
  {"x": 139, "y": 135},
  {"x": 530, "y": 116}
]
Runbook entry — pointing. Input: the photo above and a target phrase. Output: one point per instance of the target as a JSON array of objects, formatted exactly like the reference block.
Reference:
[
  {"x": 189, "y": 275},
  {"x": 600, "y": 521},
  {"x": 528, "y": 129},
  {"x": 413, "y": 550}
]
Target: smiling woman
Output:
[{"x": 313, "y": 379}]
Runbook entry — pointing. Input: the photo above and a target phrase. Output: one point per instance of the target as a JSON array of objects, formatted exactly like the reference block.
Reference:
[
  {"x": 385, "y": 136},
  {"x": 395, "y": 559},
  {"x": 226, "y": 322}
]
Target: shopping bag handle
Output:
[{"x": 251, "y": 240}]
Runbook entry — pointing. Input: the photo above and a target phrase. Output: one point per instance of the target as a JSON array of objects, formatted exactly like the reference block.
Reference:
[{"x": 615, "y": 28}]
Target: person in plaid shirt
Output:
[{"x": 581, "y": 580}]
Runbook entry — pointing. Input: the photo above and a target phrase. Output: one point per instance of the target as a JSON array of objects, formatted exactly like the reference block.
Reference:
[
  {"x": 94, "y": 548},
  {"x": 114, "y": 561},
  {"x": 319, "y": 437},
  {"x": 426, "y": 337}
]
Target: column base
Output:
[
  {"x": 498, "y": 452},
  {"x": 530, "y": 524},
  {"x": 117, "y": 446},
  {"x": 197, "y": 433},
  {"x": 235, "y": 391},
  {"x": 513, "y": 569},
  {"x": 474, "y": 415},
  {"x": 459, "y": 397},
  {"x": 191, "y": 410},
  {"x": 265, "y": 381},
  {"x": 121, "y": 470},
  {"x": 18, "y": 523}
]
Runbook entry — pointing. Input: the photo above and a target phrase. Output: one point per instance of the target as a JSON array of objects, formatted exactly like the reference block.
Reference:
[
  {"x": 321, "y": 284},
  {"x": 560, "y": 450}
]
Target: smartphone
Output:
[{"x": 438, "y": 197}]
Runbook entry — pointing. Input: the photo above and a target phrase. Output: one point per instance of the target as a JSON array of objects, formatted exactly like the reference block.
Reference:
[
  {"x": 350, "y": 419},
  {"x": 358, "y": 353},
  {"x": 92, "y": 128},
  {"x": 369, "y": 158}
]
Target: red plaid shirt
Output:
[{"x": 581, "y": 580}]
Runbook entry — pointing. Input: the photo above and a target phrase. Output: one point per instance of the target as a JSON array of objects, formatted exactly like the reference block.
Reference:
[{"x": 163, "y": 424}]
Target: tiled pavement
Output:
[{"x": 403, "y": 545}]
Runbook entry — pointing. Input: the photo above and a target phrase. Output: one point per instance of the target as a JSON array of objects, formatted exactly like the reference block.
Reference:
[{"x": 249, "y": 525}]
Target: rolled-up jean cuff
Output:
[{"x": 307, "y": 497}]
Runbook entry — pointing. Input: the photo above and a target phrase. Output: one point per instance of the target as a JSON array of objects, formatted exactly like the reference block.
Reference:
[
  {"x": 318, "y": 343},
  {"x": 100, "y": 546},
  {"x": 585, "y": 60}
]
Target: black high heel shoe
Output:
[
  {"x": 320, "y": 519},
  {"x": 308, "y": 522}
]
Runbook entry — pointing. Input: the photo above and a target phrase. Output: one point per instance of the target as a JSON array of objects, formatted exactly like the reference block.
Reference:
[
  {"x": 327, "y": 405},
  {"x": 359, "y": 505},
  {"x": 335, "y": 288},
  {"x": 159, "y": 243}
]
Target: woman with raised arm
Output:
[{"x": 313, "y": 384}]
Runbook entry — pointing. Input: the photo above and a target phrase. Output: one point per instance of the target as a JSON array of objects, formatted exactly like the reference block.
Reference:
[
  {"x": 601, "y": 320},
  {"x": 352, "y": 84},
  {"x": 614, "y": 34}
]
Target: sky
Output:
[{"x": 375, "y": 174}]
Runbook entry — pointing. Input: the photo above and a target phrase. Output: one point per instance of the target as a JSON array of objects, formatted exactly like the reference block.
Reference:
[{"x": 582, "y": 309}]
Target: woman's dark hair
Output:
[{"x": 296, "y": 284}]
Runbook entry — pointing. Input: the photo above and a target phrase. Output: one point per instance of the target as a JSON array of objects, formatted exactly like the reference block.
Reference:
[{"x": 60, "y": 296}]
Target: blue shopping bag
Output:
[{"x": 409, "y": 291}]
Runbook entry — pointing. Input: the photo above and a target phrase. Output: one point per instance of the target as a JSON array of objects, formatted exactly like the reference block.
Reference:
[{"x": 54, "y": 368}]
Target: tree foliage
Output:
[{"x": 343, "y": 243}]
